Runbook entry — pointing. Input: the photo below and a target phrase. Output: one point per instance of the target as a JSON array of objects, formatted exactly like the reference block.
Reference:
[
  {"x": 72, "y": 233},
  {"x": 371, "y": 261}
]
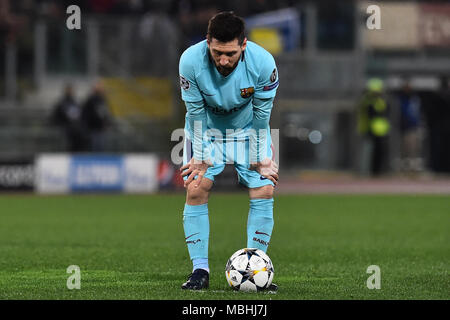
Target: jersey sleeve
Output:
[
  {"x": 196, "y": 117},
  {"x": 262, "y": 109},
  {"x": 189, "y": 88},
  {"x": 268, "y": 78}
]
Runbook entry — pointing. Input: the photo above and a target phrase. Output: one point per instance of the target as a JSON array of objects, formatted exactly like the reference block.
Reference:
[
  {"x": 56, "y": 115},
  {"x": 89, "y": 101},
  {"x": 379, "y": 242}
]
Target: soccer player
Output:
[{"x": 228, "y": 85}]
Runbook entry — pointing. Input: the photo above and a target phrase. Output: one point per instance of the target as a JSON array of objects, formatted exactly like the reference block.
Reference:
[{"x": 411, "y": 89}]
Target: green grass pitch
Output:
[{"x": 132, "y": 246}]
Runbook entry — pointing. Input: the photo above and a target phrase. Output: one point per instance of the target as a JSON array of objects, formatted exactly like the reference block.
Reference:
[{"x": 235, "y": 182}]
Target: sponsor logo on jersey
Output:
[
  {"x": 247, "y": 92},
  {"x": 221, "y": 111}
]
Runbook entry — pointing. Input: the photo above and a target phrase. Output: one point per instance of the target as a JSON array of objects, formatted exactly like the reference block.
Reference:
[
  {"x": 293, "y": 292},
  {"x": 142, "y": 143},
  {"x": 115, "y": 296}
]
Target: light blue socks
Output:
[
  {"x": 196, "y": 231},
  {"x": 260, "y": 223}
]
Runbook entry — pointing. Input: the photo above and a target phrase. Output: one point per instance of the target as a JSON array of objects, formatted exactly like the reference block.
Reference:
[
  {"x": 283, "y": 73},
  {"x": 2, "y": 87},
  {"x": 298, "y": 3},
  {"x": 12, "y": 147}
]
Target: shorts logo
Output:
[
  {"x": 247, "y": 92},
  {"x": 184, "y": 84},
  {"x": 273, "y": 76}
]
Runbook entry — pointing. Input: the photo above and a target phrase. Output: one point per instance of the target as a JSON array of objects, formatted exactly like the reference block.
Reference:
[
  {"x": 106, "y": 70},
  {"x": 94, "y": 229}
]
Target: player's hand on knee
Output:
[
  {"x": 267, "y": 168},
  {"x": 194, "y": 168}
]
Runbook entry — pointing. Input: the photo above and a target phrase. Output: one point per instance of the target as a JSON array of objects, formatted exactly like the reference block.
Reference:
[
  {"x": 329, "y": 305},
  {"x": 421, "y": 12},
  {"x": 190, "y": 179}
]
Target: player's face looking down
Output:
[{"x": 226, "y": 55}]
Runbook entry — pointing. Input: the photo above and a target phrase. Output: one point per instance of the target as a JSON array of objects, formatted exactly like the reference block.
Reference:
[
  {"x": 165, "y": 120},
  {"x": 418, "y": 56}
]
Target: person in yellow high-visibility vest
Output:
[{"x": 374, "y": 127}]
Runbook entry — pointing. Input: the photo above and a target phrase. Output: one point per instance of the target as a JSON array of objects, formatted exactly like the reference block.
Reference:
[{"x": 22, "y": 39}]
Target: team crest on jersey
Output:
[
  {"x": 184, "y": 83},
  {"x": 247, "y": 92},
  {"x": 273, "y": 76}
]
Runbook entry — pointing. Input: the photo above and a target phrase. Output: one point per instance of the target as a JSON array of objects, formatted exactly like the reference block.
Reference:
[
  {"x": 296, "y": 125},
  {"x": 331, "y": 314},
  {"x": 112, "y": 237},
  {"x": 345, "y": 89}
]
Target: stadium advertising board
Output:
[
  {"x": 435, "y": 25},
  {"x": 421, "y": 25},
  {"x": 16, "y": 175},
  {"x": 63, "y": 173},
  {"x": 395, "y": 33}
]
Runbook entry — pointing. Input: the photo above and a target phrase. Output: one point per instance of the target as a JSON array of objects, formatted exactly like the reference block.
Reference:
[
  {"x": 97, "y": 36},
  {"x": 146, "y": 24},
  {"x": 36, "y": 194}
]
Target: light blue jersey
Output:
[
  {"x": 228, "y": 100},
  {"x": 241, "y": 100}
]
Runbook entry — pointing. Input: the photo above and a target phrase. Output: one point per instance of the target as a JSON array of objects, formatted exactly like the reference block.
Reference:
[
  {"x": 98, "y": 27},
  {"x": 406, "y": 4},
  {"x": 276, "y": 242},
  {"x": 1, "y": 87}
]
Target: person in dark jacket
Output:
[
  {"x": 96, "y": 118},
  {"x": 66, "y": 115}
]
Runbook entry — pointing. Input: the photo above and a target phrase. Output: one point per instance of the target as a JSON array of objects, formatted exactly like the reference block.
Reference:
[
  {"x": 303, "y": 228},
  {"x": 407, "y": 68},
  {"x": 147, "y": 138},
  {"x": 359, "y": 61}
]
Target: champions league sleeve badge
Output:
[
  {"x": 184, "y": 83},
  {"x": 273, "y": 76}
]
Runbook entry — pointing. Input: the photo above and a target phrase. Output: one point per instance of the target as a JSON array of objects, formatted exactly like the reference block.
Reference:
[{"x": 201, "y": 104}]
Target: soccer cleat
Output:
[
  {"x": 272, "y": 287},
  {"x": 197, "y": 280}
]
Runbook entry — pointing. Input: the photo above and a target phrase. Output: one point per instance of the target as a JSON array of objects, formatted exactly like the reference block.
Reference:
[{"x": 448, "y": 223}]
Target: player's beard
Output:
[{"x": 225, "y": 71}]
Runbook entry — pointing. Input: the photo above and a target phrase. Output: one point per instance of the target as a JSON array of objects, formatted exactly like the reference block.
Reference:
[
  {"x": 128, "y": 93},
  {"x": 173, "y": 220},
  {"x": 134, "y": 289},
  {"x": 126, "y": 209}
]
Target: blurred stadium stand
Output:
[{"x": 323, "y": 50}]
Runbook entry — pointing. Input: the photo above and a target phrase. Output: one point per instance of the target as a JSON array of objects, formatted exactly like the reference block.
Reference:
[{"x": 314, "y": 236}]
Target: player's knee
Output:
[
  {"x": 265, "y": 192},
  {"x": 198, "y": 195}
]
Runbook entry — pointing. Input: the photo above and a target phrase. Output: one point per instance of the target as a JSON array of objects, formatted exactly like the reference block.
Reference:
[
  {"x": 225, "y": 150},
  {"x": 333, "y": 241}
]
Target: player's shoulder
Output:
[
  {"x": 256, "y": 50},
  {"x": 195, "y": 55},
  {"x": 257, "y": 57}
]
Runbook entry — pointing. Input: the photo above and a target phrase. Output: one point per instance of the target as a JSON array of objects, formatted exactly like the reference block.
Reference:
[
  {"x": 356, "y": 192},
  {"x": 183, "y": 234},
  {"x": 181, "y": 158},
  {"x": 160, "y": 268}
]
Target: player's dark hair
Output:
[{"x": 225, "y": 27}]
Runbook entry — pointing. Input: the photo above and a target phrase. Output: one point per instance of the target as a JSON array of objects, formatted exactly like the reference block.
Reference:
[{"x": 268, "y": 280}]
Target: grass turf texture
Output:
[{"x": 132, "y": 247}]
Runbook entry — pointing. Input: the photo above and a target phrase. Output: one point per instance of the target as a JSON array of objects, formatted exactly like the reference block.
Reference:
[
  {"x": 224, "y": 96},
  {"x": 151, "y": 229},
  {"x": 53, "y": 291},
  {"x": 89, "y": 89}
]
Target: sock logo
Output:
[
  {"x": 258, "y": 232},
  {"x": 191, "y": 235},
  {"x": 261, "y": 241},
  {"x": 193, "y": 241}
]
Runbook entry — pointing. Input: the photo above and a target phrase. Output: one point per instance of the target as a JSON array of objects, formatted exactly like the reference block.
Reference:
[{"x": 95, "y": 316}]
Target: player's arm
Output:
[
  {"x": 259, "y": 140},
  {"x": 196, "y": 117},
  {"x": 262, "y": 107},
  {"x": 197, "y": 166}
]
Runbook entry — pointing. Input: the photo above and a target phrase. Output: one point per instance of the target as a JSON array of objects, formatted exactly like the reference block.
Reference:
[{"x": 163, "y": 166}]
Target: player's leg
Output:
[
  {"x": 260, "y": 220},
  {"x": 260, "y": 217},
  {"x": 196, "y": 230},
  {"x": 196, "y": 223}
]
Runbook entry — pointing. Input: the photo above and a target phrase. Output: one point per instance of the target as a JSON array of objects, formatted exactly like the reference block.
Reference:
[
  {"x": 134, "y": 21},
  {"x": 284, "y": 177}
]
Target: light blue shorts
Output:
[{"x": 235, "y": 153}]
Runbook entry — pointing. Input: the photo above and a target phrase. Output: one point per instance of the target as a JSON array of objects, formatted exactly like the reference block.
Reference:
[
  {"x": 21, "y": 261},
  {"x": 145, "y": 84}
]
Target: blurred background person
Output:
[
  {"x": 67, "y": 115},
  {"x": 436, "y": 105},
  {"x": 410, "y": 128},
  {"x": 10, "y": 22},
  {"x": 96, "y": 118},
  {"x": 373, "y": 127}
]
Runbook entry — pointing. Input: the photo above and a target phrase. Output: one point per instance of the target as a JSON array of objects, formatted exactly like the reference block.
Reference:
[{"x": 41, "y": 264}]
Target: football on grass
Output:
[{"x": 249, "y": 269}]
